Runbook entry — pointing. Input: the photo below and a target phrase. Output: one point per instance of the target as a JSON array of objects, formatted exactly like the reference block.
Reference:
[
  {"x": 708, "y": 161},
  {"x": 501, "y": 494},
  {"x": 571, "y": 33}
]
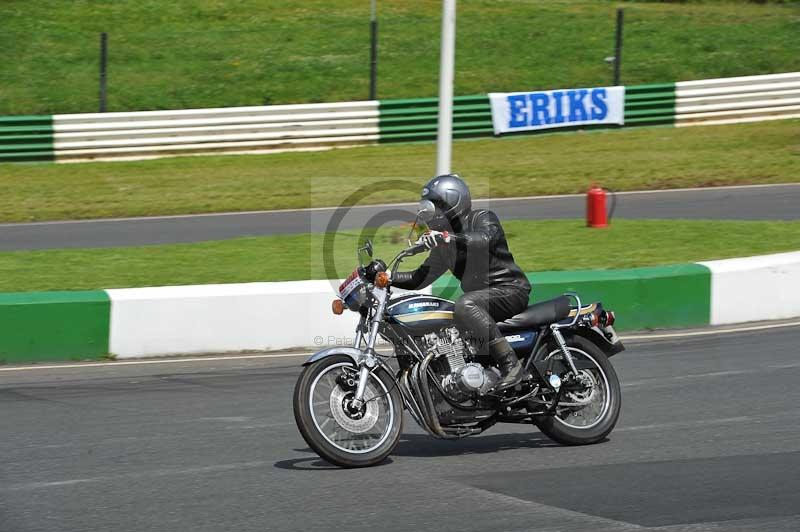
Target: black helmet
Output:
[{"x": 449, "y": 194}]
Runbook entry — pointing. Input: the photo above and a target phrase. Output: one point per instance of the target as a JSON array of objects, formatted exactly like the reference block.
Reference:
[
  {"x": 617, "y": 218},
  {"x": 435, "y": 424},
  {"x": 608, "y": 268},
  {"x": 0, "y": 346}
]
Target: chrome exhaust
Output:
[{"x": 412, "y": 403}]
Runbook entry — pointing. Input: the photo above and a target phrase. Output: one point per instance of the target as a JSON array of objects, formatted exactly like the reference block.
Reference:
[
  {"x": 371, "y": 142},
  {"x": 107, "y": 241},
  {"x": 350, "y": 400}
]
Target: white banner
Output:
[{"x": 525, "y": 111}]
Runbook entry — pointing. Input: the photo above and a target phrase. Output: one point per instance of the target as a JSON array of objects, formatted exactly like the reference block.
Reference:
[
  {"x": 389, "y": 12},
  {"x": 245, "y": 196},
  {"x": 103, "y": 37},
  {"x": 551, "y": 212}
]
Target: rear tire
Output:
[
  {"x": 559, "y": 427},
  {"x": 345, "y": 438}
]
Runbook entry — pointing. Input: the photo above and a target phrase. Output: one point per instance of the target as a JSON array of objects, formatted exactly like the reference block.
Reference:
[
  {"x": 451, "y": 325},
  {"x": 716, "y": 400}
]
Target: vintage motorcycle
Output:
[{"x": 349, "y": 401}]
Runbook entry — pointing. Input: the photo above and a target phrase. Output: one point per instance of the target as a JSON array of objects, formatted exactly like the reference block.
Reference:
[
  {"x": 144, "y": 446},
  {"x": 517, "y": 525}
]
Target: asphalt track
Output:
[
  {"x": 773, "y": 202},
  {"x": 708, "y": 440}
]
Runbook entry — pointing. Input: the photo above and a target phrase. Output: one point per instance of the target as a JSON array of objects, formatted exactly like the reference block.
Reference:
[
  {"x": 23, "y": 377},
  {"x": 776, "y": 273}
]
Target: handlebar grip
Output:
[{"x": 416, "y": 250}]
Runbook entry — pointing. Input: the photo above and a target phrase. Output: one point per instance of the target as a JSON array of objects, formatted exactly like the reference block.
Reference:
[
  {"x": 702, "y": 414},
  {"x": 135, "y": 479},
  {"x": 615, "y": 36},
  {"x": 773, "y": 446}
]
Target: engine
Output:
[{"x": 462, "y": 379}]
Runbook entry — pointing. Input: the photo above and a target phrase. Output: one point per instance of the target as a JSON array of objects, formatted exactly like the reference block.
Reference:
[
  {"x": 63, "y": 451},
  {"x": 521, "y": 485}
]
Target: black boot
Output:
[{"x": 506, "y": 359}]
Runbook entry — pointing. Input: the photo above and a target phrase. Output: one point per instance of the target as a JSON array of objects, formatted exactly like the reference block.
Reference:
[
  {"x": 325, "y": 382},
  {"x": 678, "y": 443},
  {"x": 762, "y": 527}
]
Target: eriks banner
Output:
[{"x": 524, "y": 111}]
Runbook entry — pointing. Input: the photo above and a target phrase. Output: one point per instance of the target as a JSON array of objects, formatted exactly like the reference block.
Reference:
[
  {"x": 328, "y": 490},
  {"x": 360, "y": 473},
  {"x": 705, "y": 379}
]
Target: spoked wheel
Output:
[
  {"x": 333, "y": 427},
  {"x": 591, "y": 403}
]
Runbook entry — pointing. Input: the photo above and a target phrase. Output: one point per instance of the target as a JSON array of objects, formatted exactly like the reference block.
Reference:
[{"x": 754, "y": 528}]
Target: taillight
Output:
[
  {"x": 595, "y": 318},
  {"x": 608, "y": 318}
]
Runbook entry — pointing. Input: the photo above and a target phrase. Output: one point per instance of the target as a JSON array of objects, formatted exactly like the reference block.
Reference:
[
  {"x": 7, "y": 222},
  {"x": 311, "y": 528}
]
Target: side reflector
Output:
[
  {"x": 337, "y": 306},
  {"x": 382, "y": 280}
]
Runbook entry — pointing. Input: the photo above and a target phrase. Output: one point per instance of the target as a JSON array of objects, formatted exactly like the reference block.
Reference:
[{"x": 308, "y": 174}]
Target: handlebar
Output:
[{"x": 416, "y": 249}]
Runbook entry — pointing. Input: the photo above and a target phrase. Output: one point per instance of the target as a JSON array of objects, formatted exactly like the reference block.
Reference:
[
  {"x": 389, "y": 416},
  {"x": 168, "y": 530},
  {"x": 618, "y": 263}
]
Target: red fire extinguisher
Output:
[{"x": 596, "y": 215}]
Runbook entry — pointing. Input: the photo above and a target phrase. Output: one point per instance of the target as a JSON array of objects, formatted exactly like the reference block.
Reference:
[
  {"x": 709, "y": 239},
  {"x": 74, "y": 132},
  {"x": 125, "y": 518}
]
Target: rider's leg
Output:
[{"x": 478, "y": 313}]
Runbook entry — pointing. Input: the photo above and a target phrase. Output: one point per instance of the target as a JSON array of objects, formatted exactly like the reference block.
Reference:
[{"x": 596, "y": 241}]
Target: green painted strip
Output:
[
  {"x": 643, "y": 298},
  {"x": 653, "y": 87},
  {"x": 415, "y": 119},
  {"x": 24, "y": 130},
  {"x": 20, "y": 120},
  {"x": 27, "y": 156},
  {"x": 17, "y": 148},
  {"x": 26, "y": 138},
  {"x": 650, "y": 104},
  {"x": 433, "y": 102},
  {"x": 48, "y": 326}
]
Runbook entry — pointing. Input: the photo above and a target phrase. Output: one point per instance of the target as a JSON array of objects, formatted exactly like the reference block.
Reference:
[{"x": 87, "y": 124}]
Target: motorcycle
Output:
[{"x": 349, "y": 401}]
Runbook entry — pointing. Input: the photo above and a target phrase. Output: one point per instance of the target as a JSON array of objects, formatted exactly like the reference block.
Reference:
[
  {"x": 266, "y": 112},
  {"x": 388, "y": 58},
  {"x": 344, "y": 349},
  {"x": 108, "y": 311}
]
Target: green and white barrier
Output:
[
  {"x": 143, "y": 322},
  {"x": 45, "y": 326},
  {"x": 151, "y": 134},
  {"x": 644, "y": 298}
]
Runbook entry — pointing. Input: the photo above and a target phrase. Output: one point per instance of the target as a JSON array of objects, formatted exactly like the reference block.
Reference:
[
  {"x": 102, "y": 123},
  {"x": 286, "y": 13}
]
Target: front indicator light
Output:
[{"x": 382, "y": 280}]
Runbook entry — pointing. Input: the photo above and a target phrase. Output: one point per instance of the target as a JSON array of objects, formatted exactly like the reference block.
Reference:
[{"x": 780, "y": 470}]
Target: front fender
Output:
[{"x": 352, "y": 352}]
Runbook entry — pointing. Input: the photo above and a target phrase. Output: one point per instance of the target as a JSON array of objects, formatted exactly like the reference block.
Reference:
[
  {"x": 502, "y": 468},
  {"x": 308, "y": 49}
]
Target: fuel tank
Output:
[{"x": 419, "y": 314}]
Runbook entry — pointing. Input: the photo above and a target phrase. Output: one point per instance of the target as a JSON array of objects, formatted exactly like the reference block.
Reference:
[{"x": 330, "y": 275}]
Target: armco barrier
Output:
[
  {"x": 643, "y": 298},
  {"x": 46, "y": 326},
  {"x": 236, "y": 129},
  {"x": 149, "y": 134},
  {"x": 141, "y": 322},
  {"x": 737, "y": 100}
]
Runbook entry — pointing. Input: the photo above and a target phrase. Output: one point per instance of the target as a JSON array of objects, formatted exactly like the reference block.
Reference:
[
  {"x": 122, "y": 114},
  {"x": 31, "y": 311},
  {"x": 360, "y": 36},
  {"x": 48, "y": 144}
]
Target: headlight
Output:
[{"x": 353, "y": 291}]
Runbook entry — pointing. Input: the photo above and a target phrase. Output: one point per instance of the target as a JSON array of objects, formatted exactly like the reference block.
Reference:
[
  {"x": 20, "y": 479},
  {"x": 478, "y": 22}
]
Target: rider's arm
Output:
[
  {"x": 428, "y": 272},
  {"x": 486, "y": 230}
]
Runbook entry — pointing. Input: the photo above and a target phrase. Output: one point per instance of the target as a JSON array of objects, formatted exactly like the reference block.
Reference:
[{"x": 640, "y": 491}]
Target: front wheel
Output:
[
  {"x": 332, "y": 427},
  {"x": 596, "y": 393}
]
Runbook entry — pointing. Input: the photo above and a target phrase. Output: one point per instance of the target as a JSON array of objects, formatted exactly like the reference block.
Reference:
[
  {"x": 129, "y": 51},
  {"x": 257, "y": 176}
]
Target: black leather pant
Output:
[{"x": 477, "y": 312}]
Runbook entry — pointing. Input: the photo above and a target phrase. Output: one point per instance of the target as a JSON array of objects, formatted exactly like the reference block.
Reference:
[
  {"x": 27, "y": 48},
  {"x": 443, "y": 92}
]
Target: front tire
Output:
[
  {"x": 332, "y": 428},
  {"x": 595, "y": 421}
]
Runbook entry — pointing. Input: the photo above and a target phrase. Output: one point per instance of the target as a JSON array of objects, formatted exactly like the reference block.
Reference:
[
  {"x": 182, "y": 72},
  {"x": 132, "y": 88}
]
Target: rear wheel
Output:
[
  {"x": 591, "y": 405},
  {"x": 337, "y": 431}
]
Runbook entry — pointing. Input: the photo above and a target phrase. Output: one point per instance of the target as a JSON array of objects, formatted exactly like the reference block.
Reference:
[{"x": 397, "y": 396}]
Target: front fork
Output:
[{"x": 369, "y": 361}]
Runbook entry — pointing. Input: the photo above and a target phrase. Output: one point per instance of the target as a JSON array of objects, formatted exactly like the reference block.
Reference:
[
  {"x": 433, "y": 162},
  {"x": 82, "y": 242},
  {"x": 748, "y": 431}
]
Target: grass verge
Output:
[
  {"x": 623, "y": 159},
  {"x": 537, "y": 246},
  {"x": 208, "y": 53}
]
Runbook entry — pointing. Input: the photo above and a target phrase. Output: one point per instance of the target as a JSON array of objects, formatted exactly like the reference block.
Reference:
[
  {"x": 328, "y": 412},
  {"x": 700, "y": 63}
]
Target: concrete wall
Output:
[
  {"x": 766, "y": 287},
  {"x": 171, "y": 320},
  {"x": 226, "y": 317}
]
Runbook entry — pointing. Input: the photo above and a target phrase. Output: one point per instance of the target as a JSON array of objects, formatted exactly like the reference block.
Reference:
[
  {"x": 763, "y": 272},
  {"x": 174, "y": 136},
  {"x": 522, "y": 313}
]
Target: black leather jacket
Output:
[{"x": 478, "y": 256}]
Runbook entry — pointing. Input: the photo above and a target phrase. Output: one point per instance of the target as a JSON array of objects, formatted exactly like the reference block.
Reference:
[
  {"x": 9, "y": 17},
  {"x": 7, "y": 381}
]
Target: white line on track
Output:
[
  {"x": 114, "y": 364},
  {"x": 333, "y": 208},
  {"x": 710, "y": 332}
]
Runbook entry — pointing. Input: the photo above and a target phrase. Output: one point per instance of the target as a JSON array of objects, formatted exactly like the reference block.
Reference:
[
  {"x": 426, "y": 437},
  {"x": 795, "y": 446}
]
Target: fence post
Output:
[
  {"x": 618, "y": 47},
  {"x": 103, "y": 70},
  {"x": 373, "y": 54}
]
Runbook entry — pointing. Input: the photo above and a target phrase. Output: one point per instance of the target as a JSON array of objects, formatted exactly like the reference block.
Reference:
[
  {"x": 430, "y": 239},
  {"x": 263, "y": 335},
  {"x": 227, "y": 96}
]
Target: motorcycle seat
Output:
[{"x": 543, "y": 313}]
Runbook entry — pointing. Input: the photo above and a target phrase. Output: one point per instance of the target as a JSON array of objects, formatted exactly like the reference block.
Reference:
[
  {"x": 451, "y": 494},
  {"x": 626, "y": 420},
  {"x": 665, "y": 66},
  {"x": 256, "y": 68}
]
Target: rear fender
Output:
[
  {"x": 593, "y": 334},
  {"x": 599, "y": 337}
]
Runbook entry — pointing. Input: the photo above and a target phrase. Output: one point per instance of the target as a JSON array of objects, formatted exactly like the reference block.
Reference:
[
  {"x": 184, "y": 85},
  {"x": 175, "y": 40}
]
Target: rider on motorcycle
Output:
[{"x": 472, "y": 245}]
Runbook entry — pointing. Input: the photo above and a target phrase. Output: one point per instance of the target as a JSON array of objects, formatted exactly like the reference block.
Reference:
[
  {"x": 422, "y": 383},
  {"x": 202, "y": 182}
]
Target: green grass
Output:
[
  {"x": 537, "y": 246},
  {"x": 625, "y": 159},
  {"x": 213, "y": 53}
]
